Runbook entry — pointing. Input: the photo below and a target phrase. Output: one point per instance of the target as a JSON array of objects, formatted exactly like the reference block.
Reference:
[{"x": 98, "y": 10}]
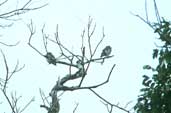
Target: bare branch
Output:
[
  {"x": 82, "y": 38},
  {"x": 141, "y": 18},
  {"x": 103, "y": 36},
  {"x": 146, "y": 11},
  {"x": 10, "y": 45},
  {"x": 32, "y": 32},
  {"x": 157, "y": 12},
  {"x": 33, "y": 99},
  {"x": 44, "y": 106},
  {"x": 123, "y": 109},
  {"x": 97, "y": 59},
  {"x": 44, "y": 98},
  {"x": 60, "y": 83},
  {"x": 8, "y": 100},
  {"x": 75, "y": 107},
  {"x": 3, "y": 2},
  {"x": 16, "y": 69},
  {"x": 7, "y": 72},
  {"x": 61, "y": 46},
  {"x": 13, "y": 102},
  {"x": 8, "y": 76},
  {"x": 44, "y": 36},
  {"x": 80, "y": 62},
  {"x": 4, "y": 26},
  {"x": 127, "y": 104},
  {"x": 26, "y": 4},
  {"x": 89, "y": 43},
  {"x": 19, "y": 11},
  {"x": 107, "y": 106},
  {"x": 90, "y": 33}
]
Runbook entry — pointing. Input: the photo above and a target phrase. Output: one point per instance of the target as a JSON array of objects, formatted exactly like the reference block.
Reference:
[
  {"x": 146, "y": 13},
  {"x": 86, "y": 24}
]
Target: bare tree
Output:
[
  {"x": 13, "y": 100},
  {"x": 9, "y": 16},
  {"x": 81, "y": 62}
]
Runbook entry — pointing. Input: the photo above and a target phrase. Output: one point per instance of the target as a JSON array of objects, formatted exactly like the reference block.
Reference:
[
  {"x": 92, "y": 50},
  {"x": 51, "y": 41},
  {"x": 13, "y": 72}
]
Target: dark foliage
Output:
[{"x": 156, "y": 95}]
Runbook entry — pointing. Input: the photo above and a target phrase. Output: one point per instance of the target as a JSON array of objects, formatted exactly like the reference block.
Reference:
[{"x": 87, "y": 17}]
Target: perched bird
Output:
[
  {"x": 50, "y": 58},
  {"x": 106, "y": 51}
]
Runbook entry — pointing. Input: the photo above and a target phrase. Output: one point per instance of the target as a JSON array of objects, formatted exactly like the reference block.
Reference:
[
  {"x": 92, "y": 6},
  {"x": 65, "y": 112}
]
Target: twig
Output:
[
  {"x": 44, "y": 39},
  {"x": 89, "y": 35},
  {"x": 61, "y": 46},
  {"x": 75, "y": 107},
  {"x": 17, "y": 11},
  {"x": 32, "y": 32},
  {"x": 157, "y": 12},
  {"x": 14, "y": 101},
  {"x": 26, "y": 4},
  {"x": 7, "y": 71},
  {"x": 103, "y": 36},
  {"x": 10, "y": 45},
  {"x": 147, "y": 22},
  {"x": 44, "y": 106},
  {"x": 107, "y": 106},
  {"x": 82, "y": 39},
  {"x": 146, "y": 11},
  {"x": 8, "y": 100},
  {"x": 127, "y": 104},
  {"x": 4, "y": 26},
  {"x": 123, "y": 109},
  {"x": 16, "y": 69},
  {"x": 44, "y": 97},
  {"x": 3, "y": 2},
  {"x": 90, "y": 49},
  {"x": 33, "y": 99}
]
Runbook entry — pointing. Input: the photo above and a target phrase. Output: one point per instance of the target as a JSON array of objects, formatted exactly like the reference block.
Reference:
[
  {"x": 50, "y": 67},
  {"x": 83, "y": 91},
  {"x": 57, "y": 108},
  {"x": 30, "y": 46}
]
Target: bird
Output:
[
  {"x": 106, "y": 51},
  {"x": 50, "y": 58}
]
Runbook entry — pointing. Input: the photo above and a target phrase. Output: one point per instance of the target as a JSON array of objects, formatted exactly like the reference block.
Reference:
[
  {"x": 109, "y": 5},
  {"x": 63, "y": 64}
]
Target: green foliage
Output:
[{"x": 155, "y": 96}]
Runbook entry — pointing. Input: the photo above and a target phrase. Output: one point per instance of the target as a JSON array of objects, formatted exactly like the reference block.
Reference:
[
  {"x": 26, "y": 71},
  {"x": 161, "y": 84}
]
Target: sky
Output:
[{"x": 131, "y": 40}]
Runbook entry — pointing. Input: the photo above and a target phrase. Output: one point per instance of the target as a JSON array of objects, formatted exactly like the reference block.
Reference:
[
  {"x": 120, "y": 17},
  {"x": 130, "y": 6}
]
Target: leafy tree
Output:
[{"x": 155, "y": 96}]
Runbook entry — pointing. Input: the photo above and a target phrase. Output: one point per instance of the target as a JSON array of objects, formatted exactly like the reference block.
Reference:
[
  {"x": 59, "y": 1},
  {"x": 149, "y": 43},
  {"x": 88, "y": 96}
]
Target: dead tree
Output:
[
  {"x": 8, "y": 16},
  {"x": 81, "y": 62},
  {"x": 14, "y": 99}
]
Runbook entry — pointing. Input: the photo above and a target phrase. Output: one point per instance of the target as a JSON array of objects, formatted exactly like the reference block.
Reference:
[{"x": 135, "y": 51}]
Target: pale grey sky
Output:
[{"x": 132, "y": 42}]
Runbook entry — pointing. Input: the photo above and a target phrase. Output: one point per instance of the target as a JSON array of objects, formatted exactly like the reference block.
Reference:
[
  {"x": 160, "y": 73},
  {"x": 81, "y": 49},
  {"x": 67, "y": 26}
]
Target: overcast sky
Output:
[{"x": 131, "y": 40}]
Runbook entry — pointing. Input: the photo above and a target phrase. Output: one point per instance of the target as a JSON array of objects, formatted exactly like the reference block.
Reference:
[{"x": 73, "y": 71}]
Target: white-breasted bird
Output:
[{"x": 106, "y": 51}]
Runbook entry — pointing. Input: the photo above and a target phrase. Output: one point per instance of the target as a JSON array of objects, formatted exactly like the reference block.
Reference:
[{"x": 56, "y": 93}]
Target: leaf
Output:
[
  {"x": 152, "y": 85},
  {"x": 155, "y": 53},
  {"x": 156, "y": 30},
  {"x": 167, "y": 57},
  {"x": 145, "y": 77},
  {"x": 140, "y": 99},
  {"x": 144, "y": 89},
  {"x": 148, "y": 82},
  {"x": 147, "y": 67}
]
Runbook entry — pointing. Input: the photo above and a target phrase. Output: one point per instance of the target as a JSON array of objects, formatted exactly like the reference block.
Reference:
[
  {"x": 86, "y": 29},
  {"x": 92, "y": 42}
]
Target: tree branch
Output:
[{"x": 19, "y": 11}]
